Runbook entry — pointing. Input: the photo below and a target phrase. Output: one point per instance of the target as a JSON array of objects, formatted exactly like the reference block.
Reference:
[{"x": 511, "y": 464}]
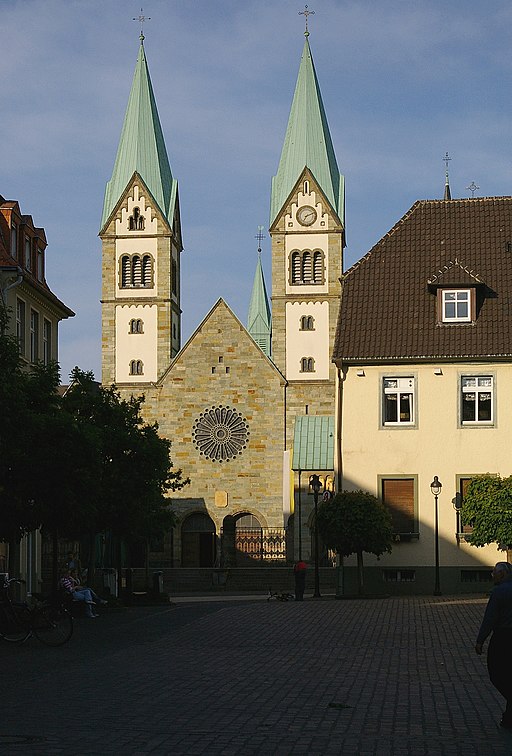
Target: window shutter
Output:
[{"x": 398, "y": 496}]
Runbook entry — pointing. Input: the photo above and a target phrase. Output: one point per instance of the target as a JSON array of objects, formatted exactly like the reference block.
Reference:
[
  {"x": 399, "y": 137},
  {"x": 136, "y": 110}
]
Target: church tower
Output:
[
  {"x": 307, "y": 230},
  {"x": 259, "y": 319},
  {"x": 141, "y": 238}
]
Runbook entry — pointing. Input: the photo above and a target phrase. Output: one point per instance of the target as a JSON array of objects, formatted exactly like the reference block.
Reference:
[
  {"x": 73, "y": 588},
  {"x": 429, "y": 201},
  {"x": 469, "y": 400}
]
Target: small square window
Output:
[
  {"x": 456, "y": 305},
  {"x": 398, "y": 401},
  {"x": 477, "y": 399}
]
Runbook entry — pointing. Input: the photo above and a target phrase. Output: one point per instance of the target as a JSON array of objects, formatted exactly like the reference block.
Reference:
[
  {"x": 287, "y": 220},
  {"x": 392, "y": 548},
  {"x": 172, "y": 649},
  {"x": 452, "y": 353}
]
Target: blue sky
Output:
[{"x": 402, "y": 83}]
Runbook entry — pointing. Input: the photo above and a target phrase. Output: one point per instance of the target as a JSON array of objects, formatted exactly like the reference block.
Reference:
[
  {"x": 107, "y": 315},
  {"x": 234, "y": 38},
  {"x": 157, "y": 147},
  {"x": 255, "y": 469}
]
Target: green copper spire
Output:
[
  {"x": 259, "y": 319},
  {"x": 142, "y": 148},
  {"x": 307, "y": 144}
]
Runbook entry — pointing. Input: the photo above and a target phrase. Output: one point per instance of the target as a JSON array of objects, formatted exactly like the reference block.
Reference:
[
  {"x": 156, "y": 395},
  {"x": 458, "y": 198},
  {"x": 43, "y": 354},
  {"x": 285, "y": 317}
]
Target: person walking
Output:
[
  {"x": 299, "y": 572},
  {"x": 498, "y": 620}
]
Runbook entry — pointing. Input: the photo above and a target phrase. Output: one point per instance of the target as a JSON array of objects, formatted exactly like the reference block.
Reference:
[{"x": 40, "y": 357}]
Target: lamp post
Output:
[
  {"x": 314, "y": 482},
  {"x": 300, "y": 522},
  {"x": 436, "y": 487}
]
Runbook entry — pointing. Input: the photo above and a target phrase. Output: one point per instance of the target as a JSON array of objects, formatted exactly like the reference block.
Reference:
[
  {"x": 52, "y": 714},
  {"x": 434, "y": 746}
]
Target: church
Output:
[{"x": 249, "y": 408}]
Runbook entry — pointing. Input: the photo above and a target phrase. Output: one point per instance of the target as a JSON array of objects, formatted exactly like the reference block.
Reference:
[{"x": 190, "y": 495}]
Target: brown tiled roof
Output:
[{"x": 388, "y": 304}]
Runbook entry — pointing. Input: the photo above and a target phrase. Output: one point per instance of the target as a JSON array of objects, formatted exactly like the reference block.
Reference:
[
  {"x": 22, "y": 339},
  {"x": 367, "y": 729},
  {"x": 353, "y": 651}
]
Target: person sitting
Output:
[{"x": 71, "y": 584}]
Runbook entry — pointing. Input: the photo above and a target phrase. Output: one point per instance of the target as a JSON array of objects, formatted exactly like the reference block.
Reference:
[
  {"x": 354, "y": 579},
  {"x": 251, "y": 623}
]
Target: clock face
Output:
[{"x": 306, "y": 215}]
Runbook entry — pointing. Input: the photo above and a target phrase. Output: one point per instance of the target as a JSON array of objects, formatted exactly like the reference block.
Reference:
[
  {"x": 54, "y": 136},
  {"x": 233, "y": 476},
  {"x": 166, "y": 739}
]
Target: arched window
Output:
[
  {"x": 318, "y": 267},
  {"x": 296, "y": 267},
  {"x": 136, "y": 271},
  {"x": 125, "y": 271},
  {"x": 307, "y": 323},
  {"x": 307, "y": 365},
  {"x": 136, "y": 326},
  {"x": 136, "y": 367},
  {"x": 306, "y": 187},
  {"x": 147, "y": 272},
  {"x": 136, "y": 221},
  {"x": 306, "y": 266}
]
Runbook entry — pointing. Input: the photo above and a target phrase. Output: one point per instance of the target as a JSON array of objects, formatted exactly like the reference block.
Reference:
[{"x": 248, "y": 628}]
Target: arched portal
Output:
[
  {"x": 198, "y": 542},
  {"x": 248, "y": 539}
]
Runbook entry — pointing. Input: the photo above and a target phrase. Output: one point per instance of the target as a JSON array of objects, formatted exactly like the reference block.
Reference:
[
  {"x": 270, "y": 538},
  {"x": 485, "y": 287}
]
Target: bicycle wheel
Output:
[
  {"x": 52, "y": 625},
  {"x": 15, "y": 624}
]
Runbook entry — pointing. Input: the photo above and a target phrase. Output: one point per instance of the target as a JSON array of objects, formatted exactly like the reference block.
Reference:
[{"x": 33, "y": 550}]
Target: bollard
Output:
[{"x": 128, "y": 575}]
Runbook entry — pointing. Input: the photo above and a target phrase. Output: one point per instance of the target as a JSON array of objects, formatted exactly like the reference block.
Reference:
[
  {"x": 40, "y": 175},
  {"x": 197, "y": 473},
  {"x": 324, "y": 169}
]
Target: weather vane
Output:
[
  {"x": 141, "y": 18},
  {"x": 306, "y": 13},
  {"x": 472, "y": 188},
  {"x": 260, "y": 236}
]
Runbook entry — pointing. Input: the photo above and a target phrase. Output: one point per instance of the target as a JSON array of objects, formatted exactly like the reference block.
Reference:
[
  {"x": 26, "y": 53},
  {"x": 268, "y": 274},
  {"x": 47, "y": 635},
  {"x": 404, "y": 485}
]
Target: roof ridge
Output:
[{"x": 386, "y": 236}]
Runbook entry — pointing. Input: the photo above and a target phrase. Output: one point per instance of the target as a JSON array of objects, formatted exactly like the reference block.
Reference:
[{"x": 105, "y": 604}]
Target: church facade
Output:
[{"x": 249, "y": 410}]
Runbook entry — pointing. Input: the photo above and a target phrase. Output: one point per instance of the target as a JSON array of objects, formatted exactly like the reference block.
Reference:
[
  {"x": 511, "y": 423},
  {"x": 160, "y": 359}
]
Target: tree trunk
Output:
[
  {"x": 146, "y": 563},
  {"x": 13, "y": 565},
  {"x": 91, "y": 560},
  {"x": 360, "y": 574},
  {"x": 119, "y": 565},
  {"x": 55, "y": 560}
]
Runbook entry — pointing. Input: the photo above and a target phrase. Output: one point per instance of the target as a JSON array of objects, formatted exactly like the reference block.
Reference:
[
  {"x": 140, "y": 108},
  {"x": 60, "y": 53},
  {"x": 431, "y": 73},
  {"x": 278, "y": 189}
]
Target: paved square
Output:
[{"x": 374, "y": 676}]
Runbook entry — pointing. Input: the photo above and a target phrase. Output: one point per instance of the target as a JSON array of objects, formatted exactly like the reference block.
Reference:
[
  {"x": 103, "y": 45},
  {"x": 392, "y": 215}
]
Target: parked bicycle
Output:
[
  {"x": 279, "y": 596},
  {"x": 48, "y": 620}
]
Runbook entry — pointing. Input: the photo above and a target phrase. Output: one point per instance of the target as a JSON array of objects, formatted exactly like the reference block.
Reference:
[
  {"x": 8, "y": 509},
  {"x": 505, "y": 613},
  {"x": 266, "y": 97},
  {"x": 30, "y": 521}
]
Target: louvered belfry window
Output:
[
  {"x": 318, "y": 267},
  {"x": 398, "y": 497},
  {"x": 136, "y": 272},
  {"x": 306, "y": 267}
]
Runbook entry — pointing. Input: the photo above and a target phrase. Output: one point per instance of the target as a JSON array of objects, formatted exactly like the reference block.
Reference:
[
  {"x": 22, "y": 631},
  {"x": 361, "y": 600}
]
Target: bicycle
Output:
[
  {"x": 280, "y": 596},
  {"x": 49, "y": 621}
]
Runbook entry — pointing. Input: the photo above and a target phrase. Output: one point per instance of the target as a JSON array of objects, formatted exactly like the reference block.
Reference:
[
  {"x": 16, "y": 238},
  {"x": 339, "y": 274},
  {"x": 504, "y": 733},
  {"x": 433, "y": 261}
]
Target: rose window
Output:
[{"x": 220, "y": 433}]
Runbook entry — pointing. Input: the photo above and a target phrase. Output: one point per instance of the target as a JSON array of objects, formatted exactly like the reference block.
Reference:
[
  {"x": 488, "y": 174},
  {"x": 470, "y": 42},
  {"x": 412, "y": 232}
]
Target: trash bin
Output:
[
  {"x": 158, "y": 582},
  {"x": 110, "y": 580}
]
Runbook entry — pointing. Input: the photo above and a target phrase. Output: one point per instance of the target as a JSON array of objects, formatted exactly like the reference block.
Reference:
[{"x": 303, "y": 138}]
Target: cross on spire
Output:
[
  {"x": 306, "y": 13},
  {"x": 446, "y": 160},
  {"x": 141, "y": 18},
  {"x": 260, "y": 236}
]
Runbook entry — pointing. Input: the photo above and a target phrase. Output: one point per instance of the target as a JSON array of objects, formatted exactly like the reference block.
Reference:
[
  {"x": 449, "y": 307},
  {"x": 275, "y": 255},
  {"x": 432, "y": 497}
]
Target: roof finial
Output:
[
  {"x": 141, "y": 18},
  {"x": 260, "y": 236},
  {"x": 306, "y": 13},
  {"x": 447, "y": 192},
  {"x": 472, "y": 188}
]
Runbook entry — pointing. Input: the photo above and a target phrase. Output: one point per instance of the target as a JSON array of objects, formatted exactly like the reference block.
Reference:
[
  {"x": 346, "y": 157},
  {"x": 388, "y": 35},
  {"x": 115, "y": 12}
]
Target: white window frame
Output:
[
  {"x": 454, "y": 299},
  {"x": 405, "y": 385},
  {"x": 483, "y": 383}
]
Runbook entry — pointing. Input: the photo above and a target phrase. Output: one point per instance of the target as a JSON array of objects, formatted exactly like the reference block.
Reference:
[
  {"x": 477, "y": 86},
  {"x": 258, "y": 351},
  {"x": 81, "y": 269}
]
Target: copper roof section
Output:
[{"x": 388, "y": 308}]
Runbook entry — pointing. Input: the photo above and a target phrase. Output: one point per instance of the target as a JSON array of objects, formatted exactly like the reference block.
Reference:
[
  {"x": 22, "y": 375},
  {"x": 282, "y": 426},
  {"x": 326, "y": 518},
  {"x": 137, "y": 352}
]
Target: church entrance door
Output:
[{"x": 198, "y": 541}]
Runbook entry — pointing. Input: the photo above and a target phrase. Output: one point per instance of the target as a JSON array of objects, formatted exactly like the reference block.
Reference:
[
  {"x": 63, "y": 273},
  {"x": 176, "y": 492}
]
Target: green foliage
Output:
[
  {"x": 487, "y": 506},
  {"x": 81, "y": 463},
  {"x": 134, "y": 465},
  {"x": 355, "y": 521}
]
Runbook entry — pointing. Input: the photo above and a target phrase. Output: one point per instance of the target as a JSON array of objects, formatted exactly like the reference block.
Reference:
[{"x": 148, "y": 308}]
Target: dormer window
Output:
[{"x": 456, "y": 305}]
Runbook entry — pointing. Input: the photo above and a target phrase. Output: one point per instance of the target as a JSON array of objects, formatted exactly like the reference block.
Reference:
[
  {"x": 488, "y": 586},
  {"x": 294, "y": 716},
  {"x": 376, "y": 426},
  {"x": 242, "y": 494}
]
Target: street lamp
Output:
[
  {"x": 436, "y": 487},
  {"x": 314, "y": 482}
]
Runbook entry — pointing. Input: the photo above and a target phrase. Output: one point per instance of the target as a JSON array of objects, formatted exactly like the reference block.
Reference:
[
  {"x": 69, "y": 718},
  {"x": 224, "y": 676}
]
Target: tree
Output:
[
  {"x": 135, "y": 467},
  {"x": 353, "y": 522},
  {"x": 487, "y": 506}
]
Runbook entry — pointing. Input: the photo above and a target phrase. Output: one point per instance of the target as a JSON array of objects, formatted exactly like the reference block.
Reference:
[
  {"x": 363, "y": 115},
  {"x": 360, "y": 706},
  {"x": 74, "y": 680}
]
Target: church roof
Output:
[
  {"x": 142, "y": 148},
  {"x": 307, "y": 144},
  {"x": 388, "y": 310},
  {"x": 259, "y": 318}
]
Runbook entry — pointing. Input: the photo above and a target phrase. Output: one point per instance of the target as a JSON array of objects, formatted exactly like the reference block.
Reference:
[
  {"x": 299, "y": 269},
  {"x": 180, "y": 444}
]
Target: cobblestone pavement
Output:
[{"x": 376, "y": 676}]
